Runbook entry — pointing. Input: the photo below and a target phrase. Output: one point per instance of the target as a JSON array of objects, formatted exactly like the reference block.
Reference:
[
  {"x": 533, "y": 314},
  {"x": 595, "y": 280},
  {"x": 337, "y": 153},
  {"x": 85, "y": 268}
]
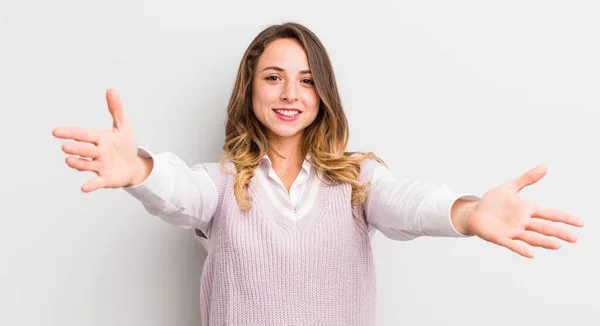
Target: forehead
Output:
[{"x": 285, "y": 53}]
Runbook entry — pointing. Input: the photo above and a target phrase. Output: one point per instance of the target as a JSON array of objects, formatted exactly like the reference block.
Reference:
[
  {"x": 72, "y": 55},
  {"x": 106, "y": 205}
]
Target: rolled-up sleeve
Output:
[
  {"x": 407, "y": 209},
  {"x": 179, "y": 194}
]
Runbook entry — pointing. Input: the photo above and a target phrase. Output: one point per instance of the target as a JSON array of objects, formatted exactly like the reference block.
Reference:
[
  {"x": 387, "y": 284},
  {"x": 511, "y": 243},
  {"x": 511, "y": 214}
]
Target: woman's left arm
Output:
[
  {"x": 405, "y": 209},
  {"x": 504, "y": 218}
]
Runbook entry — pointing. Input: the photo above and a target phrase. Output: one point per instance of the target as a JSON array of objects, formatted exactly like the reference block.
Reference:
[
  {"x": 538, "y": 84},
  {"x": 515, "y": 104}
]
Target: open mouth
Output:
[{"x": 287, "y": 114}]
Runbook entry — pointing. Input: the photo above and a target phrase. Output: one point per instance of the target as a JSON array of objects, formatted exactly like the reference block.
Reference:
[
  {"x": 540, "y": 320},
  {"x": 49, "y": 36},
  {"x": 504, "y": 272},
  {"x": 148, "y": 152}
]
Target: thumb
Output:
[
  {"x": 530, "y": 177},
  {"x": 115, "y": 107}
]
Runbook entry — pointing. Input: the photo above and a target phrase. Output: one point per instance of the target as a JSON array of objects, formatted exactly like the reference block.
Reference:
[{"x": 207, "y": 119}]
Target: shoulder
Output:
[
  {"x": 371, "y": 166},
  {"x": 221, "y": 173},
  {"x": 220, "y": 168}
]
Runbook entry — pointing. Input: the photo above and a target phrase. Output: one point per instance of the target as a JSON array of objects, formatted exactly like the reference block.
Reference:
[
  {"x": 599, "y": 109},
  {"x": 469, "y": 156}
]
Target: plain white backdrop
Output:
[{"x": 468, "y": 93}]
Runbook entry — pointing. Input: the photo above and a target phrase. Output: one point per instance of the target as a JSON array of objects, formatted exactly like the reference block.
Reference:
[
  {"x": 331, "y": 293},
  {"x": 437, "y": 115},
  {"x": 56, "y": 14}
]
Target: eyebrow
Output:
[{"x": 281, "y": 69}]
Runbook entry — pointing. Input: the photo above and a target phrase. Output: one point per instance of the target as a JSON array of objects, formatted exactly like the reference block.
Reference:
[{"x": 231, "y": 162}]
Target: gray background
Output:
[{"x": 469, "y": 93}]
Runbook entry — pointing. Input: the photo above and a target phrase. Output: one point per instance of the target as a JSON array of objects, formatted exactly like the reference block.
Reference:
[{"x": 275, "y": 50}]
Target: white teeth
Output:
[{"x": 289, "y": 113}]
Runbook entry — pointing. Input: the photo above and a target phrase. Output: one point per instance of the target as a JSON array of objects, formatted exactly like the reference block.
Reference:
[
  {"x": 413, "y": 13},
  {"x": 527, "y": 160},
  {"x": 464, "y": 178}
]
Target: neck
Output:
[{"x": 286, "y": 151}]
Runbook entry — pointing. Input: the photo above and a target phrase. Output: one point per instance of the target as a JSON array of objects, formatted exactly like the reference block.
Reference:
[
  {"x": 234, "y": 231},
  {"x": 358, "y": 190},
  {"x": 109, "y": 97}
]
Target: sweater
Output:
[{"x": 283, "y": 264}]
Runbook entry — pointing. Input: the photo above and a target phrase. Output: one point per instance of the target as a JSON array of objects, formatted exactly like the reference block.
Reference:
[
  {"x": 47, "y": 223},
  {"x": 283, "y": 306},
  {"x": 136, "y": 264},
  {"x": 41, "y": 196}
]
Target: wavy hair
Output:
[{"x": 325, "y": 139}]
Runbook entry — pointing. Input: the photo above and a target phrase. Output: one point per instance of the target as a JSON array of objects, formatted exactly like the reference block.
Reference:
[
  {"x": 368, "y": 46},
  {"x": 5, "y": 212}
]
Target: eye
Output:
[
  {"x": 308, "y": 81},
  {"x": 271, "y": 78}
]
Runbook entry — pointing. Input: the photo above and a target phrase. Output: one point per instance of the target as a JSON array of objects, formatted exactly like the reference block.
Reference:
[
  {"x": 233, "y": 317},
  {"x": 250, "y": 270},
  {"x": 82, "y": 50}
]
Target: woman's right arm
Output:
[
  {"x": 163, "y": 183},
  {"x": 179, "y": 194}
]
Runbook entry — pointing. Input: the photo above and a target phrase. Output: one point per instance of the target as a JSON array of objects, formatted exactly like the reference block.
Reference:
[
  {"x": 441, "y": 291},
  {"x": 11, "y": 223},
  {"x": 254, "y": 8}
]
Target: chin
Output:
[{"x": 285, "y": 132}]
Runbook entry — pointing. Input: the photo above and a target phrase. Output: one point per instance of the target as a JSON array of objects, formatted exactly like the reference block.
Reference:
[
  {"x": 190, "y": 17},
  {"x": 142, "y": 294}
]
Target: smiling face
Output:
[{"x": 284, "y": 97}]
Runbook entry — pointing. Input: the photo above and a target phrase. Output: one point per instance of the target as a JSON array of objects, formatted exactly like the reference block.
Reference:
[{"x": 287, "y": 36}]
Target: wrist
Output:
[
  {"x": 143, "y": 168},
  {"x": 460, "y": 215}
]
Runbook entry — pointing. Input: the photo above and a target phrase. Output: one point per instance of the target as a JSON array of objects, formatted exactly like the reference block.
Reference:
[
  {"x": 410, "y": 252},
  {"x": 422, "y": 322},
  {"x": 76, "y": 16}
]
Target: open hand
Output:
[
  {"x": 111, "y": 154},
  {"x": 502, "y": 217}
]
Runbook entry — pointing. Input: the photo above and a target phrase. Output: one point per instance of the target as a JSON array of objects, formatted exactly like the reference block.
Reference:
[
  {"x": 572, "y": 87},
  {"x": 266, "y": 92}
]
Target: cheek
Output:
[
  {"x": 265, "y": 95},
  {"x": 312, "y": 101},
  {"x": 259, "y": 95}
]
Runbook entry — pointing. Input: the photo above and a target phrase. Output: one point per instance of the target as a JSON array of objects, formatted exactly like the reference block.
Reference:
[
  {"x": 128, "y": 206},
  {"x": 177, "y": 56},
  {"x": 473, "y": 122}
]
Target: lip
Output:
[
  {"x": 290, "y": 109},
  {"x": 285, "y": 117}
]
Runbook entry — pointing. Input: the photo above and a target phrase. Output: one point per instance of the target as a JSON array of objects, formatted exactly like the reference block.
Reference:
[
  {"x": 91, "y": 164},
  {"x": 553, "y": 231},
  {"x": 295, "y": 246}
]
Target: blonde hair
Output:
[{"x": 325, "y": 139}]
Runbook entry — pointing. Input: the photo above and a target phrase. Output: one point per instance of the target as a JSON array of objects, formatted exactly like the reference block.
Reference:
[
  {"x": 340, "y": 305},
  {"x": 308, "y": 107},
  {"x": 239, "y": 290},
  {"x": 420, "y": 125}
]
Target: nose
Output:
[{"x": 289, "y": 92}]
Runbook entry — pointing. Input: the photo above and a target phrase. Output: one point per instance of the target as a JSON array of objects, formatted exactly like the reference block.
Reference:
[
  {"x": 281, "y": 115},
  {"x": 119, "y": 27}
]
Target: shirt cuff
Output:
[
  {"x": 445, "y": 206},
  {"x": 158, "y": 184}
]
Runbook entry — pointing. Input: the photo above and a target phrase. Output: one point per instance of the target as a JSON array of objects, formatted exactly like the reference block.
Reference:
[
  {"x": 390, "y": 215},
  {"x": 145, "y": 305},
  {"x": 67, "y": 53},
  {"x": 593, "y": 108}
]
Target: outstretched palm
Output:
[
  {"x": 504, "y": 218},
  {"x": 111, "y": 154}
]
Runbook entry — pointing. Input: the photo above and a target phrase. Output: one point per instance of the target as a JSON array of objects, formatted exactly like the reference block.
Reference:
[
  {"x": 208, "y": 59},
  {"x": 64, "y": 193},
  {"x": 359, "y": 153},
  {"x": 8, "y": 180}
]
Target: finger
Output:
[
  {"x": 93, "y": 184},
  {"x": 115, "y": 107},
  {"x": 537, "y": 240},
  {"x": 80, "y": 134},
  {"x": 530, "y": 177},
  {"x": 550, "y": 230},
  {"x": 517, "y": 247},
  {"x": 81, "y": 149},
  {"x": 82, "y": 164},
  {"x": 555, "y": 215}
]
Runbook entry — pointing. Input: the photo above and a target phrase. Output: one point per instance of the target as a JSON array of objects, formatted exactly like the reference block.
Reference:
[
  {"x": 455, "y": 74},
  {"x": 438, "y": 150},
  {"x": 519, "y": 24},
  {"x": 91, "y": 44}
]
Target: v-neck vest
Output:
[{"x": 264, "y": 268}]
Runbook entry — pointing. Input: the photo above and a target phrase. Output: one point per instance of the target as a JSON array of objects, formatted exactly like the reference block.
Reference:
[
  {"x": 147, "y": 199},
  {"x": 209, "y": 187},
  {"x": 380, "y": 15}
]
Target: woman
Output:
[{"x": 287, "y": 215}]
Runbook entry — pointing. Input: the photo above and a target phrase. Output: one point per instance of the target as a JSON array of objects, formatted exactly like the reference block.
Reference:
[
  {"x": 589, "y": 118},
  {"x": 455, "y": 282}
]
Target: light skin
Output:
[
  {"x": 283, "y": 80},
  {"x": 502, "y": 217}
]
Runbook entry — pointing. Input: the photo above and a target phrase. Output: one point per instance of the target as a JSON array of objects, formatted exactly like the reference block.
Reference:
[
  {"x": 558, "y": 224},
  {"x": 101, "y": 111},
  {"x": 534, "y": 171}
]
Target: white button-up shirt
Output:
[{"x": 399, "y": 209}]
